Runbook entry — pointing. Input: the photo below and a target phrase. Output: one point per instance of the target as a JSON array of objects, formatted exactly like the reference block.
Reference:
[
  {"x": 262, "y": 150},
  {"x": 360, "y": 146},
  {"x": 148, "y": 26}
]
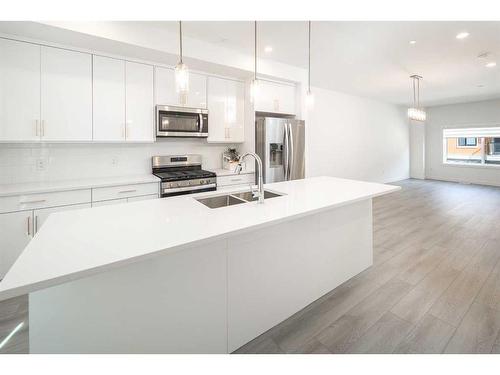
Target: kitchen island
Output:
[{"x": 175, "y": 276}]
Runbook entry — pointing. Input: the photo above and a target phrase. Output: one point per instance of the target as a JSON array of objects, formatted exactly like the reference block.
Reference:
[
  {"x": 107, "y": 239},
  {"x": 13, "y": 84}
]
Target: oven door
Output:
[{"x": 181, "y": 122}]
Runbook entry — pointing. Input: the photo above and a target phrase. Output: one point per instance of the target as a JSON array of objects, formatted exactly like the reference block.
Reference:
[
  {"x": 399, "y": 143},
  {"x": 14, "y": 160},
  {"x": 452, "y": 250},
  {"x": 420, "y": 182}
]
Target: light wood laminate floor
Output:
[{"x": 434, "y": 286}]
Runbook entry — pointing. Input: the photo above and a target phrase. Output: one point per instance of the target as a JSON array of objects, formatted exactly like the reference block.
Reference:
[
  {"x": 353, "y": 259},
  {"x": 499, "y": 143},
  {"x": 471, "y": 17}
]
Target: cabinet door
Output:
[
  {"x": 39, "y": 216},
  {"x": 139, "y": 107},
  {"x": 108, "y": 99},
  {"x": 235, "y": 94},
  {"x": 197, "y": 97},
  {"x": 16, "y": 229},
  {"x": 165, "y": 93},
  {"x": 275, "y": 97},
  {"x": 226, "y": 110},
  {"x": 66, "y": 95},
  {"x": 19, "y": 91}
]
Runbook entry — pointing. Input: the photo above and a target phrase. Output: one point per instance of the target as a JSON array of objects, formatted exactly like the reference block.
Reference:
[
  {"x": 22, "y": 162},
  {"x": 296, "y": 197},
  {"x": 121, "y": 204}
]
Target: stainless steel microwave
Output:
[{"x": 181, "y": 122}]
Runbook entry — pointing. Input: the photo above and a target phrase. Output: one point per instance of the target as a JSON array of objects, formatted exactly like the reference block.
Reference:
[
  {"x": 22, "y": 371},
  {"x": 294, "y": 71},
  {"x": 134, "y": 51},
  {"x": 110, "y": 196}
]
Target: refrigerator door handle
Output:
[
  {"x": 285, "y": 152},
  {"x": 291, "y": 154}
]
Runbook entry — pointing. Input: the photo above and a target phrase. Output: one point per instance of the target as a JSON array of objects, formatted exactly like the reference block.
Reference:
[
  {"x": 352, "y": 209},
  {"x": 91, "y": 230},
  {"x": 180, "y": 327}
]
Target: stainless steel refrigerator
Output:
[{"x": 280, "y": 144}]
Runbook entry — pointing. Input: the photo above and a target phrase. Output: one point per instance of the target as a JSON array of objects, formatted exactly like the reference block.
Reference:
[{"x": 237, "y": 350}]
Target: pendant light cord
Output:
[
  {"x": 180, "y": 41},
  {"x": 414, "y": 93},
  {"x": 418, "y": 93},
  {"x": 309, "y": 62},
  {"x": 255, "y": 51}
]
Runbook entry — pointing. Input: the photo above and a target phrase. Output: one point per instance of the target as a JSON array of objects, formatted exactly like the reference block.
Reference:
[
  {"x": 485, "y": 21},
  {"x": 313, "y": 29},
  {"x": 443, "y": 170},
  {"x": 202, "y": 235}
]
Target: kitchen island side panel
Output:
[
  {"x": 206, "y": 299},
  {"x": 278, "y": 271},
  {"x": 173, "y": 303}
]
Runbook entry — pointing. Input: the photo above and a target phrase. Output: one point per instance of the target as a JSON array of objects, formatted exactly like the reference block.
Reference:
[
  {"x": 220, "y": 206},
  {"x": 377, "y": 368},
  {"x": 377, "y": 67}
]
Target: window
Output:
[
  {"x": 472, "y": 146},
  {"x": 466, "y": 142}
]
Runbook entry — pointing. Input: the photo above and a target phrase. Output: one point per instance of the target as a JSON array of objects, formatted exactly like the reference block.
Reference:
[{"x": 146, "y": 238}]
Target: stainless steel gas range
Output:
[{"x": 182, "y": 174}]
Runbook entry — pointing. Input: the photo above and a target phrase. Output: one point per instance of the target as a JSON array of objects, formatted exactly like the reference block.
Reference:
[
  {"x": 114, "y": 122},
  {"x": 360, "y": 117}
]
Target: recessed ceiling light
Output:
[
  {"x": 491, "y": 64},
  {"x": 268, "y": 49},
  {"x": 462, "y": 35},
  {"x": 413, "y": 42}
]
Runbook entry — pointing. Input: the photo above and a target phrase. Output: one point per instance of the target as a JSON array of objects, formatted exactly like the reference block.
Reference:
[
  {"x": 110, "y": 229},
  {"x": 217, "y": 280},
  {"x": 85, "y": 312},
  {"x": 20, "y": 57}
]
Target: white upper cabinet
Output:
[
  {"x": 139, "y": 113},
  {"x": 226, "y": 110},
  {"x": 66, "y": 95},
  {"x": 19, "y": 91},
  {"x": 108, "y": 99},
  {"x": 275, "y": 97},
  {"x": 165, "y": 89}
]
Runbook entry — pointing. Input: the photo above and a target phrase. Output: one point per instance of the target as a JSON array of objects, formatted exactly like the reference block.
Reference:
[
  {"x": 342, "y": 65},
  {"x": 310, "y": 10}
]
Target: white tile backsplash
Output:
[{"x": 18, "y": 162}]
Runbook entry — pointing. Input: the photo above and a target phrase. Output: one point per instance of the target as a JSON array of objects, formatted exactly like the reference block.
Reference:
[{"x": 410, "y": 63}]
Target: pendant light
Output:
[
  {"x": 181, "y": 73},
  {"x": 416, "y": 112},
  {"x": 309, "y": 94},
  {"x": 254, "y": 87}
]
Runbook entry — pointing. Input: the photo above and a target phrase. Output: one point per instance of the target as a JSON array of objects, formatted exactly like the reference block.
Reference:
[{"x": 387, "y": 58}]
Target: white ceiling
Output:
[
  {"x": 365, "y": 58},
  {"x": 374, "y": 59}
]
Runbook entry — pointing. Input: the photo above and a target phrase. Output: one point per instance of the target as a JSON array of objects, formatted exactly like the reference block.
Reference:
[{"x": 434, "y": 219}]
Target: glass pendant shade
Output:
[
  {"x": 181, "y": 78},
  {"x": 416, "y": 114},
  {"x": 254, "y": 90}
]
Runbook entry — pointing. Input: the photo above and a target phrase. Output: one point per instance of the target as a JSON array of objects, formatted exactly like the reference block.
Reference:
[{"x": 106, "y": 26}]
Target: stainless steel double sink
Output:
[{"x": 233, "y": 199}]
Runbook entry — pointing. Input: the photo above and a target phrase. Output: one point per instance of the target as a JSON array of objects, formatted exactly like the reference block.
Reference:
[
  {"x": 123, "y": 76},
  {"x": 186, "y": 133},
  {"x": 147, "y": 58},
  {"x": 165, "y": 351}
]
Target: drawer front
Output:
[
  {"x": 124, "y": 191},
  {"x": 108, "y": 203},
  {"x": 143, "y": 198},
  {"x": 42, "y": 200},
  {"x": 242, "y": 179}
]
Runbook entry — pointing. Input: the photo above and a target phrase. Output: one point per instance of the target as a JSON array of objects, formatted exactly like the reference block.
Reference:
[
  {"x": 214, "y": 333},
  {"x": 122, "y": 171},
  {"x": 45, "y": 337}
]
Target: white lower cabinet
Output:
[
  {"x": 244, "y": 179},
  {"x": 109, "y": 202},
  {"x": 39, "y": 216},
  {"x": 142, "y": 198},
  {"x": 16, "y": 229}
]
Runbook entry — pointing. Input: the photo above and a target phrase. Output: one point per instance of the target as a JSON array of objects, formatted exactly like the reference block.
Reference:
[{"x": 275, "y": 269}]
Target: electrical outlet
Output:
[{"x": 40, "y": 164}]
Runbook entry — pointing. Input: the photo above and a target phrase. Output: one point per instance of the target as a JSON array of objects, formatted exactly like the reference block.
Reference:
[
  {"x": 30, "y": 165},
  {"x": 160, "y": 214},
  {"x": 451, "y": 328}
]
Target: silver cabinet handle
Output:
[
  {"x": 236, "y": 179},
  {"x": 36, "y": 224},
  {"x": 127, "y": 191},
  {"x": 32, "y": 202},
  {"x": 42, "y": 130},
  {"x": 29, "y": 226},
  {"x": 37, "y": 128}
]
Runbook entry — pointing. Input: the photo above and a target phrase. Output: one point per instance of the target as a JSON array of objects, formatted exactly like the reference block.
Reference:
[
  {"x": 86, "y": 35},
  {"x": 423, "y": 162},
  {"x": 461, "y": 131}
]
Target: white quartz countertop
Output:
[
  {"x": 75, "y": 244},
  {"x": 65, "y": 185}
]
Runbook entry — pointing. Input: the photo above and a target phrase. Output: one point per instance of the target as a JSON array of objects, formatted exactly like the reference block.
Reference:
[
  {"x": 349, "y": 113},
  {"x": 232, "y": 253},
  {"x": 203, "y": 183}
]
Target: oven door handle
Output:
[{"x": 188, "y": 188}]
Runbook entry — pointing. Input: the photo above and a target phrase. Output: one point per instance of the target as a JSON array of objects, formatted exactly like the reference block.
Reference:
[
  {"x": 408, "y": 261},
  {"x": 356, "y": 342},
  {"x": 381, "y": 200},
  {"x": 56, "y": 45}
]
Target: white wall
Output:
[
  {"x": 18, "y": 163},
  {"x": 483, "y": 114},
  {"x": 417, "y": 149},
  {"x": 353, "y": 137}
]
